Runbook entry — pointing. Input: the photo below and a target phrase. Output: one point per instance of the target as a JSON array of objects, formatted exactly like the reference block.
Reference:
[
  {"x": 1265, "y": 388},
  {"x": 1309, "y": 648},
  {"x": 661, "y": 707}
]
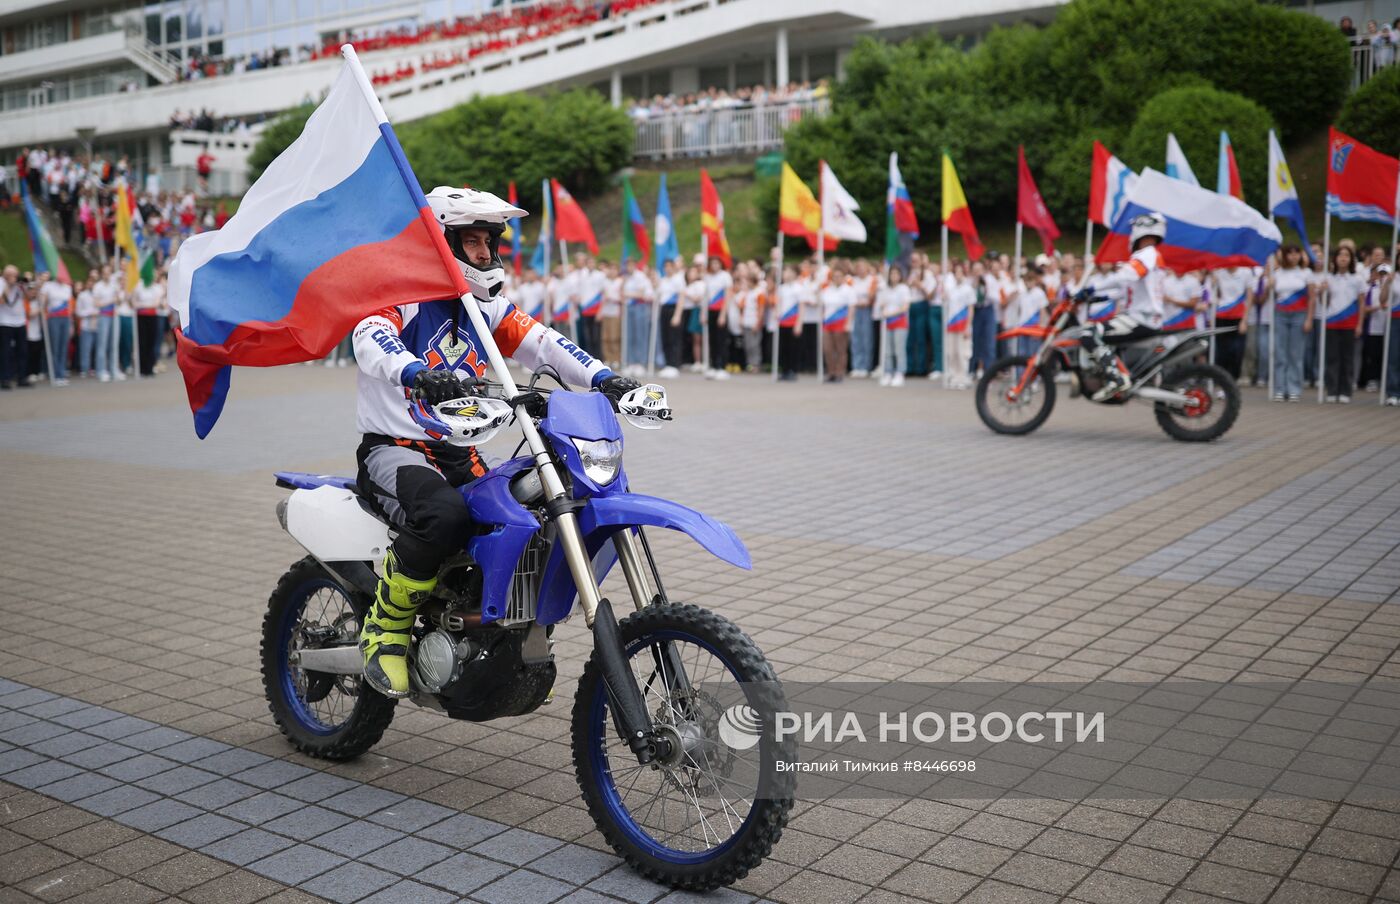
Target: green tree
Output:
[
  {"x": 1372, "y": 114},
  {"x": 1196, "y": 115},
  {"x": 276, "y": 138}
]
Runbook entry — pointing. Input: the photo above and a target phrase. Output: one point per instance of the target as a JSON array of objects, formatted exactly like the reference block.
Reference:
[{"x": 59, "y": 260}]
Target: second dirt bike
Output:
[{"x": 1194, "y": 401}]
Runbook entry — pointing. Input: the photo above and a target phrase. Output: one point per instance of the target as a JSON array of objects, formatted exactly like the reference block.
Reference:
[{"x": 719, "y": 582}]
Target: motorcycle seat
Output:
[{"x": 300, "y": 480}]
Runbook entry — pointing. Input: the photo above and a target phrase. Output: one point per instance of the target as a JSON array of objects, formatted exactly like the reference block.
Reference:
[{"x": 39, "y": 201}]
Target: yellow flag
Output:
[
  {"x": 957, "y": 216},
  {"x": 799, "y": 213},
  {"x": 125, "y": 240}
]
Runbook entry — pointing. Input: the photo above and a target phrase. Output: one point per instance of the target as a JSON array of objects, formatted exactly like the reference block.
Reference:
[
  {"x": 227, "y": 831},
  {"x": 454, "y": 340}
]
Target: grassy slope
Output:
[{"x": 14, "y": 247}]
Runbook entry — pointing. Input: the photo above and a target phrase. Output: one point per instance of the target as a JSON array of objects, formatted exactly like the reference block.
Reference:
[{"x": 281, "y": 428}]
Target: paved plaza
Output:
[{"x": 893, "y": 538}]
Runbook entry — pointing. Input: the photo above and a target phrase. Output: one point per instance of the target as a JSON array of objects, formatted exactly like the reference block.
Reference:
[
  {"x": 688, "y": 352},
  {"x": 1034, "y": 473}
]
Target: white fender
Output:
[{"x": 333, "y": 527}]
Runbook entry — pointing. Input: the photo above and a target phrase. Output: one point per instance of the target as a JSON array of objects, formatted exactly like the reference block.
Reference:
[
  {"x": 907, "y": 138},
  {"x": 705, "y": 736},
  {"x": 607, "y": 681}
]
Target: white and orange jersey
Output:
[
  {"x": 1140, "y": 278},
  {"x": 393, "y": 345}
]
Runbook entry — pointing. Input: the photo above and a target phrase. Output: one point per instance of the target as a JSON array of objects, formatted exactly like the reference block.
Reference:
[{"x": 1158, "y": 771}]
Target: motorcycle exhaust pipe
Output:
[
  {"x": 347, "y": 660},
  {"x": 1175, "y": 399}
]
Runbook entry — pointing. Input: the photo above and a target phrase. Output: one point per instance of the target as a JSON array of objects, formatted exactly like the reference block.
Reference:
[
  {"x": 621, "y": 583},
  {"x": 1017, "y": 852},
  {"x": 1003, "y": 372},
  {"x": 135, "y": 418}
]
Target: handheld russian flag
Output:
[
  {"x": 1109, "y": 183},
  {"x": 899, "y": 213},
  {"x": 1227, "y": 173},
  {"x": 46, "y": 256},
  {"x": 1361, "y": 181},
  {"x": 541, "y": 255},
  {"x": 1205, "y": 230},
  {"x": 570, "y": 222},
  {"x": 334, "y": 230},
  {"x": 957, "y": 216},
  {"x": 1177, "y": 165},
  {"x": 1283, "y": 196},
  {"x": 667, "y": 248},
  {"x": 636, "y": 244},
  {"x": 513, "y": 228}
]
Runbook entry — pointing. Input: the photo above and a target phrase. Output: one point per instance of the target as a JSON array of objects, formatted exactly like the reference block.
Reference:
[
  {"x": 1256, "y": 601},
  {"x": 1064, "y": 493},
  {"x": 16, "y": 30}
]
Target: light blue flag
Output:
[
  {"x": 667, "y": 249},
  {"x": 1177, "y": 167}
]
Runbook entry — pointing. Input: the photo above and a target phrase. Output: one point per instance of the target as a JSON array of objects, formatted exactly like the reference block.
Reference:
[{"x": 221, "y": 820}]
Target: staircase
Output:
[{"x": 145, "y": 55}]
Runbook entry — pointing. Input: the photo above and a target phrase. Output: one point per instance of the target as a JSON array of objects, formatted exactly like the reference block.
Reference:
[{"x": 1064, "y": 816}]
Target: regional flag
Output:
[
  {"x": 667, "y": 248},
  {"x": 1283, "y": 195},
  {"x": 125, "y": 239},
  {"x": 1110, "y": 181},
  {"x": 1227, "y": 173},
  {"x": 46, "y": 257},
  {"x": 334, "y": 230},
  {"x": 513, "y": 230},
  {"x": 1177, "y": 165},
  {"x": 957, "y": 216},
  {"x": 839, "y": 219},
  {"x": 712, "y": 221},
  {"x": 899, "y": 212},
  {"x": 799, "y": 214},
  {"x": 1361, "y": 181},
  {"x": 1030, "y": 206},
  {"x": 541, "y": 254},
  {"x": 570, "y": 222},
  {"x": 636, "y": 244}
]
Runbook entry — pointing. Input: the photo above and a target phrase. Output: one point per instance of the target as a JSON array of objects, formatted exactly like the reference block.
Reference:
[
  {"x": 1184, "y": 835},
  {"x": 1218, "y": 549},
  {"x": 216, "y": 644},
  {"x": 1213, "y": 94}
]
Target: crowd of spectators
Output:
[
  {"x": 719, "y": 99},
  {"x": 1378, "y": 46}
]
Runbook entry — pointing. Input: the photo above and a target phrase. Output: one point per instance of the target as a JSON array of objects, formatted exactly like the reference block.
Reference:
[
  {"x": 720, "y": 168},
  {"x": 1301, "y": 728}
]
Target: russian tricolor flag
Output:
[
  {"x": 1205, "y": 230},
  {"x": 336, "y": 229}
]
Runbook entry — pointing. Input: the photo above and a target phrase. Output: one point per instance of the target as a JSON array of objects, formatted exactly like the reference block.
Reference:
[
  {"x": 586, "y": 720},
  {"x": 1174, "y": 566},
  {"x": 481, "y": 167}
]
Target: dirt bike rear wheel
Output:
[
  {"x": 1023, "y": 414},
  {"x": 1218, "y": 401},
  {"x": 335, "y": 717}
]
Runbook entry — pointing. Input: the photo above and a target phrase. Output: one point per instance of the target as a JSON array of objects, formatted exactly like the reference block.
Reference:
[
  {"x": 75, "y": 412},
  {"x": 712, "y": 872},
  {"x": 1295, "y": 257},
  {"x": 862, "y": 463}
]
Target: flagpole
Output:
[
  {"x": 1088, "y": 242},
  {"x": 114, "y": 362},
  {"x": 1387, "y": 316},
  {"x": 1214, "y": 303},
  {"x": 704, "y": 300},
  {"x": 948, "y": 311},
  {"x": 544, "y": 242},
  {"x": 821, "y": 265},
  {"x": 1320, "y": 323},
  {"x": 1016, "y": 254},
  {"x": 777, "y": 302},
  {"x": 1271, "y": 300},
  {"x": 44, "y": 331}
]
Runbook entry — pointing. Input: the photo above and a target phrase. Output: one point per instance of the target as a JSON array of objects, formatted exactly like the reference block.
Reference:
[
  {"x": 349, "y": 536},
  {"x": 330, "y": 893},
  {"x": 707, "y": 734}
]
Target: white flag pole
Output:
[
  {"x": 948, "y": 312},
  {"x": 1088, "y": 242},
  {"x": 1271, "y": 301},
  {"x": 544, "y": 241},
  {"x": 821, "y": 265},
  {"x": 655, "y": 326},
  {"x": 1388, "y": 316},
  {"x": 704, "y": 301},
  {"x": 1320, "y": 308},
  {"x": 1214, "y": 304},
  {"x": 777, "y": 304}
]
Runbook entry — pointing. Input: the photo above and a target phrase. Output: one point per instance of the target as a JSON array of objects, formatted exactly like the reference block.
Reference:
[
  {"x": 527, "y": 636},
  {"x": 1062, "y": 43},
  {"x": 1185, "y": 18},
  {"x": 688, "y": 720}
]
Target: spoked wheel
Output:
[
  {"x": 332, "y": 716},
  {"x": 1215, "y": 403},
  {"x": 1007, "y": 404},
  {"x": 714, "y": 809}
]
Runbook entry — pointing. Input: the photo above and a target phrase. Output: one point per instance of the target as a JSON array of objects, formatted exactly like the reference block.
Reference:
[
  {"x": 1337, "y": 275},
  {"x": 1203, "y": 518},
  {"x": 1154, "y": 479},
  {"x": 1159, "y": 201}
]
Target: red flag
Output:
[
  {"x": 513, "y": 230},
  {"x": 1361, "y": 181},
  {"x": 1030, "y": 206},
  {"x": 570, "y": 222},
  {"x": 712, "y": 221}
]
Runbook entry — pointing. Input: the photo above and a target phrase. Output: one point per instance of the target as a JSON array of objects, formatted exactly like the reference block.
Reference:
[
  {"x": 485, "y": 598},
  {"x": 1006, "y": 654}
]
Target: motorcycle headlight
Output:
[{"x": 601, "y": 458}]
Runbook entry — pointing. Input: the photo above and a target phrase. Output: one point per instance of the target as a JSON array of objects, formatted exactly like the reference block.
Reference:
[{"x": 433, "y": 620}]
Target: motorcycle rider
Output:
[
  {"x": 1140, "y": 279},
  {"x": 423, "y": 352}
]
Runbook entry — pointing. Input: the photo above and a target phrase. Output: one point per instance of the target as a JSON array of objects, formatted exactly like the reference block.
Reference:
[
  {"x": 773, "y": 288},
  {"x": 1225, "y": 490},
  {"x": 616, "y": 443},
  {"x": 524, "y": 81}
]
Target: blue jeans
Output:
[
  {"x": 638, "y": 333},
  {"x": 86, "y": 340},
  {"x": 862, "y": 340},
  {"x": 60, "y": 331},
  {"x": 984, "y": 339},
  {"x": 1027, "y": 345},
  {"x": 1291, "y": 346},
  {"x": 935, "y": 338},
  {"x": 919, "y": 351},
  {"x": 104, "y": 345},
  {"x": 1392, "y": 365}
]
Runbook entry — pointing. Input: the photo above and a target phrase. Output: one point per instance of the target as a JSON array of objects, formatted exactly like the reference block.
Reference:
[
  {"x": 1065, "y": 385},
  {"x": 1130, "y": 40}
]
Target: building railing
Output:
[
  {"x": 721, "y": 132},
  {"x": 1367, "y": 58}
]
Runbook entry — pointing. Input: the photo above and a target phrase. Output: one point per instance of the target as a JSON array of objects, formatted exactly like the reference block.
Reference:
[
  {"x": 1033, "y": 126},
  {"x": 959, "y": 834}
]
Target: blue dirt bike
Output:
[{"x": 651, "y": 734}]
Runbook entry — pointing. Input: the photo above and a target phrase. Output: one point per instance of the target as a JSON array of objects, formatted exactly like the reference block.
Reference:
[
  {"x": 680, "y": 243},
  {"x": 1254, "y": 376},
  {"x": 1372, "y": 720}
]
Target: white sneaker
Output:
[
  {"x": 1278, "y": 397},
  {"x": 884, "y": 379},
  {"x": 118, "y": 376},
  {"x": 1332, "y": 399},
  {"x": 858, "y": 374},
  {"x": 1392, "y": 402},
  {"x": 104, "y": 378},
  {"x": 898, "y": 380},
  {"x": 60, "y": 382},
  {"x": 1345, "y": 400},
  {"x": 936, "y": 375},
  {"x": 668, "y": 372},
  {"x": 329, "y": 362},
  {"x": 717, "y": 375}
]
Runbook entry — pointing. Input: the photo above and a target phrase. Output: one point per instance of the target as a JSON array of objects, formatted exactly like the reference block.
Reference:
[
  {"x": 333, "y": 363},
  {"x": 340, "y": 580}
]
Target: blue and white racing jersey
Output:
[{"x": 393, "y": 345}]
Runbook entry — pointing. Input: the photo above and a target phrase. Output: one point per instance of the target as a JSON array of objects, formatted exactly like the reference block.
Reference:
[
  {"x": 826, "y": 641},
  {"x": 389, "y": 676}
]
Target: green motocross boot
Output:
[{"x": 384, "y": 636}]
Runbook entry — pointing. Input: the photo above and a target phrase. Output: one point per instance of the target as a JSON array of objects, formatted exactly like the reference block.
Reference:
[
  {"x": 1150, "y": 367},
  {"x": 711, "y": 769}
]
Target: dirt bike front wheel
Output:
[
  {"x": 1008, "y": 406},
  {"x": 336, "y": 717},
  {"x": 1216, "y": 400},
  {"x": 711, "y": 811}
]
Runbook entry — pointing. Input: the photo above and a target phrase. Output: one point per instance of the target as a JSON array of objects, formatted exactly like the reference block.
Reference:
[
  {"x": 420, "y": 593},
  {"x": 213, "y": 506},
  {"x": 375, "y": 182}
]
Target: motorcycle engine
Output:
[{"x": 439, "y": 659}]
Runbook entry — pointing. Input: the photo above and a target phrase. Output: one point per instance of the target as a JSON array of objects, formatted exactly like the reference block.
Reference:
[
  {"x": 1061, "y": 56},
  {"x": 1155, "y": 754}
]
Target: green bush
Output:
[
  {"x": 576, "y": 137},
  {"x": 1196, "y": 116},
  {"x": 276, "y": 138},
  {"x": 1110, "y": 56},
  {"x": 1372, "y": 114}
]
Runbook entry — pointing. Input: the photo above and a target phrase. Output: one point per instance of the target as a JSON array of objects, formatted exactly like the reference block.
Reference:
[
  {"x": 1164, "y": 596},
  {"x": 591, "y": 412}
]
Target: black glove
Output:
[
  {"x": 437, "y": 386},
  {"x": 615, "y": 387}
]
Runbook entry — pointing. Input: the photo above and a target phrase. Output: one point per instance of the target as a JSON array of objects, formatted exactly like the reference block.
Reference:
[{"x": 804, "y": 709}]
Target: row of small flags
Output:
[{"x": 137, "y": 261}]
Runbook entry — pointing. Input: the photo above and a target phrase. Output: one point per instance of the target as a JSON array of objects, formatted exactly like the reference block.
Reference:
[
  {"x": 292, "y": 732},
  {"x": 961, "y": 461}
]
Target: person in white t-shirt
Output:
[
  {"x": 13, "y": 348},
  {"x": 87, "y": 325},
  {"x": 638, "y": 296},
  {"x": 610, "y": 314},
  {"x": 148, "y": 300},
  {"x": 752, "y": 309},
  {"x": 892, "y": 305},
  {"x": 57, "y": 302},
  {"x": 866, "y": 283},
  {"x": 693, "y": 313},
  {"x": 1140, "y": 278},
  {"x": 670, "y": 294},
  {"x": 718, "y": 282},
  {"x": 1342, "y": 324},
  {"x": 1373, "y": 329}
]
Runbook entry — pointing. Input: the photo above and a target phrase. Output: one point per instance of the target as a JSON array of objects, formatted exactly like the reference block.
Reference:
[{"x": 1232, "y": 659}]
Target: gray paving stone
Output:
[
  {"x": 12, "y": 719},
  {"x": 409, "y": 892},
  {"x": 462, "y": 831},
  {"x": 408, "y": 856},
  {"x": 625, "y": 884},
  {"x": 463, "y": 873},
  {"x": 261, "y": 808},
  {"x": 349, "y": 882},
  {"x": 200, "y": 831},
  {"x": 247, "y": 846},
  {"x": 16, "y": 759},
  {"x": 157, "y": 815},
  {"x": 138, "y": 767},
  {"x": 105, "y": 754},
  {"x": 83, "y": 785},
  {"x": 27, "y": 696},
  {"x": 55, "y": 707},
  {"x": 357, "y": 838},
  {"x": 296, "y": 864},
  {"x": 363, "y": 801},
  {"x": 522, "y": 887},
  {"x": 86, "y": 717},
  {"x": 155, "y": 738},
  {"x": 317, "y": 787},
  {"x": 575, "y": 863},
  {"x": 216, "y": 794},
  {"x": 271, "y": 775},
  {"x": 41, "y": 774},
  {"x": 306, "y": 822},
  {"x": 193, "y": 749},
  {"x": 231, "y": 761},
  {"x": 120, "y": 727},
  {"x": 411, "y": 815},
  {"x": 516, "y": 846},
  {"x": 64, "y": 744},
  {"x": 118, "y": 800},
  {"x": 32, "y": 733}
]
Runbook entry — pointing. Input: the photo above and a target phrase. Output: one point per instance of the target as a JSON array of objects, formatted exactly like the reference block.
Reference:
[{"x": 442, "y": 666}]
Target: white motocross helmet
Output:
[
  {"x": 1148, "y": 224},
  {"x": 456, "y": 209}
]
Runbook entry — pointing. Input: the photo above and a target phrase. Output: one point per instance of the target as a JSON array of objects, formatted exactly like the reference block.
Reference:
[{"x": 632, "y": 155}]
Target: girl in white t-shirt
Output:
[
  {"x": 1285, "y": 321},
  {"x": 892, "y": 303},
  {"x": 87, "y": 326},
  {"x": 1342, "y": 318}
]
